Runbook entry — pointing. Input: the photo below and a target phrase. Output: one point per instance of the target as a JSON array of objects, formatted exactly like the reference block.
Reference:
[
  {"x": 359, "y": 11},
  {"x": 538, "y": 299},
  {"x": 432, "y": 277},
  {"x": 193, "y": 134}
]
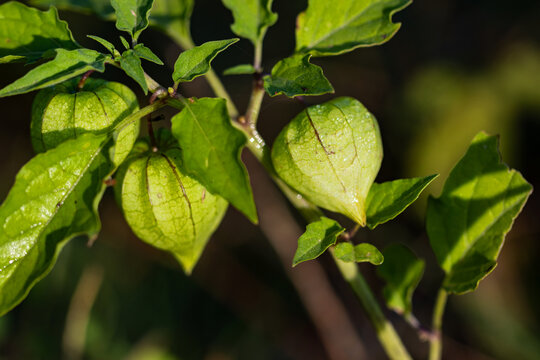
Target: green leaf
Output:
[
  {"x": 331, "y": 154},
  {"x": 66, "y": 65},
  {"x": 387, "y": 200},
  {"x": 145, "y": 53},
  {"x": 319, "y": 236},
  {"x": 125, "y": 42},
  {"x": 131, "y": 64},
  {"x": 54, "y": 198},
  {"x": 468, "y": 222},
  {"x": 402, "y": 272},
  {"x": 251, "y": 18},
  {"x": 335, "y": 27},
  {"x": 107, "y": 45},
  {"x": 242, "y": 69},
  {"x": 358, "y": 253},
  {"x": 211, "y": 149},
  {"x": 29, "y": 34},
  {"x": 296, "y": 76},
  {"x": 132, "y": 15},
  {"x": 196, "y": 62},
  {"x": 163, "y": 205}
]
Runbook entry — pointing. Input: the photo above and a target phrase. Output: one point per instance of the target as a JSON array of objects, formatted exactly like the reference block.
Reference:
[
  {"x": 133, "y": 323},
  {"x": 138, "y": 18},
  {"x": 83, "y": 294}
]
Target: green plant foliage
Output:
[
  {"x": 62, "y": 112},
  {"x": 132, "y": 15},
  {"x": 102, "y": 8},
  {"x": 251, "y": 18},
  {"x": 131, "y": 64},
  {"x": 163, "y": 205},
  {"x": 296, "y": 76},
  {"x": 319, "y": 236},
  {"x": 66, "y": 65},
  {"x": 402, "y": 272},
  {"x": 54, "y": 198},
  {"x": 242, "y": 69},
  {"x": 211, "y": 149},
  {"x": 331, "y": 154},
  {"x": 196, "y": 62},
  {"x": 43, "y": 33},
  {"x": 106, "y": 44},
  {"x": 387, "y": 200},
  {"x": 169, "y": 16},
  {"x": 145, "y": 53},
  {"x": 468, "y": 222},
  {"x": 363, "y": 252},
  {"x": 335, "y": 27}
]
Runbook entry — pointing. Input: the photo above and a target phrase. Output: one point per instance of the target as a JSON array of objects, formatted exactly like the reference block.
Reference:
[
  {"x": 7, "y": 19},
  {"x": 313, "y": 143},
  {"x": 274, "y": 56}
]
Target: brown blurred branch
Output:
[{"x": 78, "y": 315}]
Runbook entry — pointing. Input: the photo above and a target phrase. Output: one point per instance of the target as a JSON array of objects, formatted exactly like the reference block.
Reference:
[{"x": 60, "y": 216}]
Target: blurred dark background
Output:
[{"x": 454, "y": 68}]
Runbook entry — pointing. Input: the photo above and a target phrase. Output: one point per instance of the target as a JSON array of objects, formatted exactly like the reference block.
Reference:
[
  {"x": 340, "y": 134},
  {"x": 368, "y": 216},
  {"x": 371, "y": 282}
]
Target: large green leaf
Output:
[
  {"x": 402, "y": 272},
  {"x": 196, "y": 62},
  {"x": 54, "y": 198},
  {"x": 331, "y": 154},
  {"x": 211, "y": 149},
  {"x": 363, "y": 252},
  {"x": 251, "y": 18},
  {"x": 319, "y": 236},
  {"x": 296, "y": 76},
  {"x": 66, "y": 65},
  {"x": 131, "y": 64},
  {"x": 28, "y": 34},
  {"x": 335, "y": 27},
  {"x": 132, "y": 15},
  {"x": 468, "y": 222},
  {"x": 387, "y": 200}
]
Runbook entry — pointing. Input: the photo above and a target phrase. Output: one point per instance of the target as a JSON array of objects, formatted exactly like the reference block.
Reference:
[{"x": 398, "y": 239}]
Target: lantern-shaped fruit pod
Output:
[
  {"x": 331, "y": 154},
  {"x": 64, "y": 111},
  {"x": 163, "y": 205}
]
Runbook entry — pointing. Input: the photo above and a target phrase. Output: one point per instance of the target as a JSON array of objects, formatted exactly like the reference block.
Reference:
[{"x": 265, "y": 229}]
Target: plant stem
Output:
[
  {"x": 140, "y": 114},
  {"x": 85, "y": 77},
  {"x": 385, "y": 331},
  {"x": 435, "y": 348}
]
